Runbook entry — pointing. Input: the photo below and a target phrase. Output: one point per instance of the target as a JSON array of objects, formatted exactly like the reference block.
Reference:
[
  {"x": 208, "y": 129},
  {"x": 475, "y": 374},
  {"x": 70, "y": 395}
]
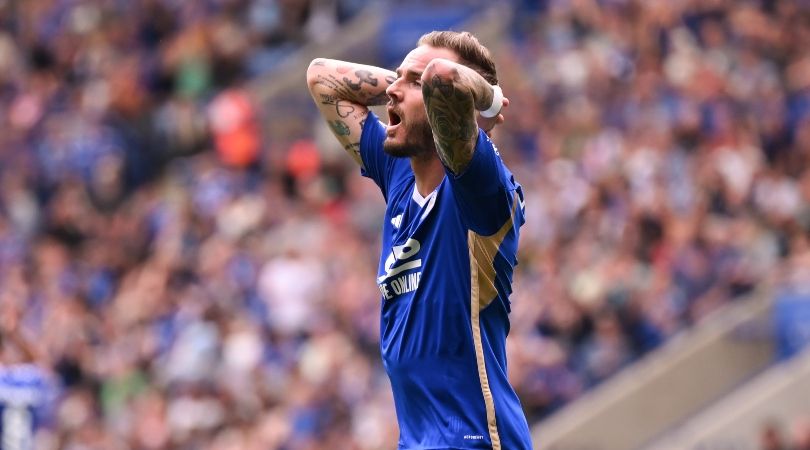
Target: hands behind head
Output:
[{"x": 488, "y": 123}]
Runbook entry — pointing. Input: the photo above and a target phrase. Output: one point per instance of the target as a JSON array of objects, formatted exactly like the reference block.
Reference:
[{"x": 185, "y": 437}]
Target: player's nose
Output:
[{"x": 393, "y": 91}]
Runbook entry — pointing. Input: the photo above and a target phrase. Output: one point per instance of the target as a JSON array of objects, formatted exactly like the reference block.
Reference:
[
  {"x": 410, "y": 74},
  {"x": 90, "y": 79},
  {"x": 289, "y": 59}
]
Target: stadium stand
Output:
[
  {"x": 689, "y": 373},
  {"x": 752, "y": 416}
]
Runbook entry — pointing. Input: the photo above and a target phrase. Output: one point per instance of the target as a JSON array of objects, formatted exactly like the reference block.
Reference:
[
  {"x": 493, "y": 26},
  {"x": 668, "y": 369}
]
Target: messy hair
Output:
[{"x": 471, "y": 52}]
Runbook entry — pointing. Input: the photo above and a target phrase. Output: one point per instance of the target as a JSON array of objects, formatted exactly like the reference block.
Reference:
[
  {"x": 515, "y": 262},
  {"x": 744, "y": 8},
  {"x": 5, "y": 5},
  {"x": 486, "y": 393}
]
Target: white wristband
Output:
[{"x": 497, "y": 102}]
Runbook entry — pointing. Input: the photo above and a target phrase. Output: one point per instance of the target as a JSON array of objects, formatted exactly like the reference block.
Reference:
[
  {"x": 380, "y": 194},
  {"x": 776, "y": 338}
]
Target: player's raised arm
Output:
[
  {"x": 343, "y": 92},
  {"x": 452, "y": 94}
]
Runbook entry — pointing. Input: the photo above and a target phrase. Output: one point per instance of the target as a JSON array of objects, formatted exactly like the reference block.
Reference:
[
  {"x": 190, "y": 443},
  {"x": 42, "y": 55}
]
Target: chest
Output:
[{"x": 419, "y": 233}]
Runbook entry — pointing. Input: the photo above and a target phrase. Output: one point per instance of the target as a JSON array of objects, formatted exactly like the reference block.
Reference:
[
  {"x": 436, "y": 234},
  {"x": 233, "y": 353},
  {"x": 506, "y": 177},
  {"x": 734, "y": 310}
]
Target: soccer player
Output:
[
  {"x": 26, "y": 389},
  {"x": 449, "y": 239}
]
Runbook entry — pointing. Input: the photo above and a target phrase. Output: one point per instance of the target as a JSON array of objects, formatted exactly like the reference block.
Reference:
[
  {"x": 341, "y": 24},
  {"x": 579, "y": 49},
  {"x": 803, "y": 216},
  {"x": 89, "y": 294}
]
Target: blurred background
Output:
[{"x": 187, "y": 257}]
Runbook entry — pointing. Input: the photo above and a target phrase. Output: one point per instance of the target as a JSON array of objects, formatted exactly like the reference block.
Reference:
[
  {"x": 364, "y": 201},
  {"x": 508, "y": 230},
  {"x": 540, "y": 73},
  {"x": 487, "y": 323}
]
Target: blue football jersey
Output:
[{"x": 445, "y": 277}]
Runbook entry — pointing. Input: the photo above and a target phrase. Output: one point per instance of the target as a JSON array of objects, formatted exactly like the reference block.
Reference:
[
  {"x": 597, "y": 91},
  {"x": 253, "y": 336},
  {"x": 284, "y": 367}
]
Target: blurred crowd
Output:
[
  {"x": 191, "y": 276},
  {"x": 672, "y": 141}
]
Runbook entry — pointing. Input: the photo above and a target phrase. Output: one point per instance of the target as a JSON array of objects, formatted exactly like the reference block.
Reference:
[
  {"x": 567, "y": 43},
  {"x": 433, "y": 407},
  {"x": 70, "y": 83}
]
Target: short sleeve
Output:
[
  {"x": 385, "y": 170},
  {"x": 486, "y": 191}
]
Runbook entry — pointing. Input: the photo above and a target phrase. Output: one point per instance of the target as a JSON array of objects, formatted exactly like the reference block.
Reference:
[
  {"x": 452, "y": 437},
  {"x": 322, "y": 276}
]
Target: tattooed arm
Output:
[
  {"x": 453, "y": 93},
  {"x": 343, "y": 92}
]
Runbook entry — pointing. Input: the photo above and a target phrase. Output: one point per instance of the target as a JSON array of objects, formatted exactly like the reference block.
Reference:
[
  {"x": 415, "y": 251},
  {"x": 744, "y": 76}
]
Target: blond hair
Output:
[{"x": 471, "y": 52}]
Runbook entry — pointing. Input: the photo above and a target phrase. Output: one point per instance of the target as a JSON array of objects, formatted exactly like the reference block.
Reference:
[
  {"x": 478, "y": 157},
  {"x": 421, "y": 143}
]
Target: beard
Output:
[{"x": 418, "y": 141}]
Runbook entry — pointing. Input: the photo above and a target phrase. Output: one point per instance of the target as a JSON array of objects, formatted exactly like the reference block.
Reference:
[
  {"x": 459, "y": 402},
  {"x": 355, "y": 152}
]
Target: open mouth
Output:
[{"x": 393, "y": 118}]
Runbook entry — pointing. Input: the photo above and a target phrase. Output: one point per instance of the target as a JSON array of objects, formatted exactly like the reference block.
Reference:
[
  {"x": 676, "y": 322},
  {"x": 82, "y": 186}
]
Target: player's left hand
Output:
[{"x": 488, "y": 123}]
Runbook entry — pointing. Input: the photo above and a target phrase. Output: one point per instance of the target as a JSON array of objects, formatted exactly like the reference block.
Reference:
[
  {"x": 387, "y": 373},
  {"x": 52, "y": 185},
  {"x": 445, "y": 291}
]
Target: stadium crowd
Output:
[{"x": 190, "y": 282}]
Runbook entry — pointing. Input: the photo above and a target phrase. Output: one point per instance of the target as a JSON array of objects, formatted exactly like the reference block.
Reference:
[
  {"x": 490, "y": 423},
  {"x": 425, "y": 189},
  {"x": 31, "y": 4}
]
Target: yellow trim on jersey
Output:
[{"x": 482, "y": 292}]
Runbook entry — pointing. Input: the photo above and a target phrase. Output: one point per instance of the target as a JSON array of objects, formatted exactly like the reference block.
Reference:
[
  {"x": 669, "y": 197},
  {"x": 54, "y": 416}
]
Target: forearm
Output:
[
  {"x": 357, "y": 83},
  {"x": 452, "y": 94},
  {"x": 480, "y": 88},
  {"x": 343, "y": 92}
]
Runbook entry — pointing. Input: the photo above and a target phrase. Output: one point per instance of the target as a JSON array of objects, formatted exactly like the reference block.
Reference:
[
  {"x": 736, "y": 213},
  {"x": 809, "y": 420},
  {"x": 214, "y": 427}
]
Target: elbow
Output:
[
  {"x": 442, "y": 76},
  {"x": 314, "y": 70},
  {"x": 440, "y": 70}
]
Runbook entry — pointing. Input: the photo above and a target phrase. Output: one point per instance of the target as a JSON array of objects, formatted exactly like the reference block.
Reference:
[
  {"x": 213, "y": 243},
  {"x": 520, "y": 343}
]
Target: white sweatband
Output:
[{"x": 497, "y": 102}]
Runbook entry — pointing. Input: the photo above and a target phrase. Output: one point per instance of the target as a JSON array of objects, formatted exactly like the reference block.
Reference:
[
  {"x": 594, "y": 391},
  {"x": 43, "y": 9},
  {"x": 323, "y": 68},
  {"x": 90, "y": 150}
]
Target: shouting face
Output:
[{"x": 408, "y": 133}]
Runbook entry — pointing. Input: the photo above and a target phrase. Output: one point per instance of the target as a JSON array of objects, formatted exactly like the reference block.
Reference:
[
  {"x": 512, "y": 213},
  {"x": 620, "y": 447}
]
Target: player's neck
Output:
[{"x": 428, "y": 172}]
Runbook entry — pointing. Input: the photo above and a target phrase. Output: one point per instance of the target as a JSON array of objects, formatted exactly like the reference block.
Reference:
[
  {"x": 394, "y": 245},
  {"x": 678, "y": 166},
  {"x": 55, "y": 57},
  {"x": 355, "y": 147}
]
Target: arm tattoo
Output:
[
  {"x": 343, "y": 108},
  {"x": 379, "y": 99},
  {"x": 451, "y": 113},
  {"x": 338, "y": 87},
  {"x": 364, "y": 76},
  {"x": 343, "y": 92},
  {"x": 346, "y": 89},
  {"x": 339, "y": 127},
  {"x": 354, "y": 149}
]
